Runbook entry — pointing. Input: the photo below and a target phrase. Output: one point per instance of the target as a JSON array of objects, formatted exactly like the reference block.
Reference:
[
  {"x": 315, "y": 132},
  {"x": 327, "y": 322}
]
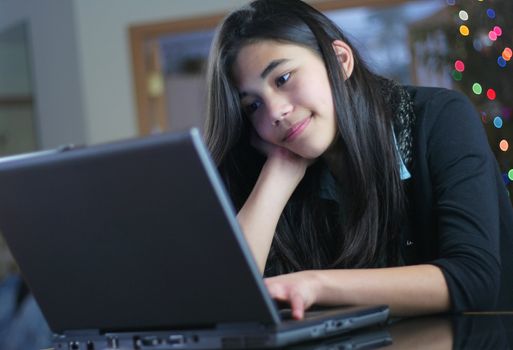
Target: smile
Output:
[{"x": 296, "y": 130}]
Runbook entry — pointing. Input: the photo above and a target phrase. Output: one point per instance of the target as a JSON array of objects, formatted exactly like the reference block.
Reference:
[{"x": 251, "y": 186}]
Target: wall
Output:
[
  {"x": 81, "y": 61},
  {"x": 104, "y": 49},
  {"x": 14, "y": 72},
  {"x": 55, "y": 67}
]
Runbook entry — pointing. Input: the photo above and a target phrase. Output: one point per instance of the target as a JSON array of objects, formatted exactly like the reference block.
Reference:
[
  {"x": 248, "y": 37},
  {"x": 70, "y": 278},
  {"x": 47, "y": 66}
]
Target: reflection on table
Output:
[{"x": 477, "y": 331}]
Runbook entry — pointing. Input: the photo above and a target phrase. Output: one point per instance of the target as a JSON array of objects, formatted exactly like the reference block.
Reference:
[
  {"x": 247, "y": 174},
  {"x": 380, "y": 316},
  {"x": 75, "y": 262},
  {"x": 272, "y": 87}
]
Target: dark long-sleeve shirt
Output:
[{"x": 461, "y": 217}]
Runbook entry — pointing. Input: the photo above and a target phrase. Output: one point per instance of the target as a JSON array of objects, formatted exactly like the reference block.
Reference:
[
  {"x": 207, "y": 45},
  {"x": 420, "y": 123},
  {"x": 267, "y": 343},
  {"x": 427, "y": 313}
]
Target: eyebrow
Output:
[{"x": 271, "y": 66}]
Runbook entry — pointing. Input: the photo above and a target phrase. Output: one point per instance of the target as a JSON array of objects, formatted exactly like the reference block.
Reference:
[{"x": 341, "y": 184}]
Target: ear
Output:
[{"x": 345, "y": 56}]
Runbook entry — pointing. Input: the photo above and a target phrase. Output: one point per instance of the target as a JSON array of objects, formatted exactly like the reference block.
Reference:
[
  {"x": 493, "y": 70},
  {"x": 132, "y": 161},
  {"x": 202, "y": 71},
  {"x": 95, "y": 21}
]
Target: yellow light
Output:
[
  {"x": 155, "y": 83},
  {"x": 464, "y": 30}
]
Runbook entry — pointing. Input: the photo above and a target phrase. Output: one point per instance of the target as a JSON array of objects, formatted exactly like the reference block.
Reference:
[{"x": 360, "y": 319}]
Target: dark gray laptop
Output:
[{"x": 135, "y": 244}]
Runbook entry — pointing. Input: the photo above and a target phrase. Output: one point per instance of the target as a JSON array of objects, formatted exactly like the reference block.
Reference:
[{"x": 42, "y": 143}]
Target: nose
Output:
[{"x": 279, "y": 109}]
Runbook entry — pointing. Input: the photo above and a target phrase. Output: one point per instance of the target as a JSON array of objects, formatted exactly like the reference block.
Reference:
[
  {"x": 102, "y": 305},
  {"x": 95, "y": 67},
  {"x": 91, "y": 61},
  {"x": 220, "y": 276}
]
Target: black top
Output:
[{"x": 461, "y": 217}]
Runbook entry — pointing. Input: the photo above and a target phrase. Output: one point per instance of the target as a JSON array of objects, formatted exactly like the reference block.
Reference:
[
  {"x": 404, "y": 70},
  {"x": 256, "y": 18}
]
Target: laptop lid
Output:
[{"x": 136, "y": 234}]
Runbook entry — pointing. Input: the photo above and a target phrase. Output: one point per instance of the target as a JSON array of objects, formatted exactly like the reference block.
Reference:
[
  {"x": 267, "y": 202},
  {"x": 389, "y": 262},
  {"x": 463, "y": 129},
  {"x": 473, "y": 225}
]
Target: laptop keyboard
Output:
[{"x": 285, "y": 314}]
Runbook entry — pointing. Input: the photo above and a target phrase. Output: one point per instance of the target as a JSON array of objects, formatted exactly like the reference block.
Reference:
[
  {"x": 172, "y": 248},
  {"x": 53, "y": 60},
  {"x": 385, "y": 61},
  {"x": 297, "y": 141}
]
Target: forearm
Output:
[
  {"x": 259, "y": 216},
  {"x": 408, "y": 290},
  {"x": 258, "y": 219}
]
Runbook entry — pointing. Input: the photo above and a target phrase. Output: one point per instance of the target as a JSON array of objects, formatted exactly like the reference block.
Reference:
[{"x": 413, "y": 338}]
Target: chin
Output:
[
  {"x": 316, "y": 151},
  {"x": 311, "y": 155}
]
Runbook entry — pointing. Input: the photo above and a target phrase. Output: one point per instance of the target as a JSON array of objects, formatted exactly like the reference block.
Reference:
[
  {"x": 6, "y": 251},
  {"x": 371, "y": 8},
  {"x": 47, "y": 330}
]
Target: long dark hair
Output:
[{"x": 313, "y": 233}]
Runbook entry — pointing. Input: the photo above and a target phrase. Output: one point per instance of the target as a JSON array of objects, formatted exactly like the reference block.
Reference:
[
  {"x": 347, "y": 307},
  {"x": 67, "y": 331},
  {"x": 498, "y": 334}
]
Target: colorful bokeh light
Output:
[
  {"x": 510, "y": 174},
  {"x": 464, "y": 30},
  {"x": 463, "y": 15},
  {"x": 497, "y": 30},
  {"x": 490, "y": 13},
  {"x": 497, "y": 122},
  {"x": 492, "y": 35},
  {"x": 504, "y": 145},
  {"x": 491, "y": 94},
  {"x": 477, "y": 88},
  {"x": 506, "y": 54},
  {"x": 484, "y": 118},
  {"x": 486, "y": 41},
  {"x": 457, "y": 75},
  {"x": 501, "y": 62},
  {"x": 459, "y": 66},
  {"x": 478, "y": 45}
]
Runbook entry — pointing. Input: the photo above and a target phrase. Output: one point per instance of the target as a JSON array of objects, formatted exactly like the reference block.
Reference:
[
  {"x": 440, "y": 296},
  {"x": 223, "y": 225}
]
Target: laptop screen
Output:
[{"x": 136, "y": 234}]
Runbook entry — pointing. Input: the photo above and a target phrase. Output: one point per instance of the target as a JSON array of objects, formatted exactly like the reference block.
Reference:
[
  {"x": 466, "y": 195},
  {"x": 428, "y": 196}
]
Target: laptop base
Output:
[{"x": 249, "y": 336}]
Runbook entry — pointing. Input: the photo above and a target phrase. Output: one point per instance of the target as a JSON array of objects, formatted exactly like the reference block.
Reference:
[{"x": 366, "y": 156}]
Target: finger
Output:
[
  {"x": 276, "y": 290},
  {"x": 298, "y": 306}
]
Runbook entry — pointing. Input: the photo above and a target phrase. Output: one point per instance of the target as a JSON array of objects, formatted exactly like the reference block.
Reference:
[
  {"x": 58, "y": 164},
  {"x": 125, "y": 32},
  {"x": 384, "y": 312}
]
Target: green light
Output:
[
  {"x": 477, "y": 88},
  {"x": 457, "y": 75},
  {"x": 510, "y": 174}
]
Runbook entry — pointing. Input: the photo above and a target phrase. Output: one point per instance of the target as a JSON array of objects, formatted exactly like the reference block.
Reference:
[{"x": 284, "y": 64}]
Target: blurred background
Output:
[{"x": 92, "y": 71}]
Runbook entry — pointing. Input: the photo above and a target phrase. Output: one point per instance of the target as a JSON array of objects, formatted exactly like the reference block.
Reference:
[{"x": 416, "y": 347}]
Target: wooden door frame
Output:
[{"x": 139, "y": 34}]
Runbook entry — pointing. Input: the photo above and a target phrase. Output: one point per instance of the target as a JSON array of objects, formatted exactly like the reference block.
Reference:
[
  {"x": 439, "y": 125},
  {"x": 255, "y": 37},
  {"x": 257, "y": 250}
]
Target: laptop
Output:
[{"x": 135, "y": 244}]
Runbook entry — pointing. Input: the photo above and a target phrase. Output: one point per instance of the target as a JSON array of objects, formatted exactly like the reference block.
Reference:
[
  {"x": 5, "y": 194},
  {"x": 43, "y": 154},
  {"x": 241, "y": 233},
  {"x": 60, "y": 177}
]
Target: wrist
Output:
[
  {"x": 326, "y": 292},
  {"x": 285, "y": 170},
  {"x": 318, "y": 284}
]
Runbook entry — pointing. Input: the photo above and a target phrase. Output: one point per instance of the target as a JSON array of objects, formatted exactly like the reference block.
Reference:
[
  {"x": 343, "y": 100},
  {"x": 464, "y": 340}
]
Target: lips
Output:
[{"x": 296, "y": 129}]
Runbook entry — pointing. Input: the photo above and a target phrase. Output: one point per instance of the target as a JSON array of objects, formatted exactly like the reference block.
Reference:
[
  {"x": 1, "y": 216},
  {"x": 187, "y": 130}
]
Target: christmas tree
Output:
[{"x": 476, "y": 51}]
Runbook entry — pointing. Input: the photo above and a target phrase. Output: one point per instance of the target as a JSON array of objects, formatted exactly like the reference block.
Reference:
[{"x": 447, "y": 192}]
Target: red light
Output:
[
  {"x": 491, "y": 94},
  {"x": 497, "y": 30},
  {"x": 459, "y": 66}
]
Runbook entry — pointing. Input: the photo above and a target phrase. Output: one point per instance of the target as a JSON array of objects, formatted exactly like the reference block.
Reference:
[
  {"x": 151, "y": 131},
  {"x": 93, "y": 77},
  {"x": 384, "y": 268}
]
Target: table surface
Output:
[{"x": 470, "y": 331}]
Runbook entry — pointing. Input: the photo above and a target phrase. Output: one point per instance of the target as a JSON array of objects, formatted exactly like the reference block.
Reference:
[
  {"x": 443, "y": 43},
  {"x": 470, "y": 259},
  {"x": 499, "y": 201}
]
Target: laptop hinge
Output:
[{"x": 81, "y": 332}]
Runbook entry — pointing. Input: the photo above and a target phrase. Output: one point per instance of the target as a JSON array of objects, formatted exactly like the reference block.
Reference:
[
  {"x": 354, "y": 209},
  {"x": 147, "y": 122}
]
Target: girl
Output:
[{"x": 351, "y": 189}]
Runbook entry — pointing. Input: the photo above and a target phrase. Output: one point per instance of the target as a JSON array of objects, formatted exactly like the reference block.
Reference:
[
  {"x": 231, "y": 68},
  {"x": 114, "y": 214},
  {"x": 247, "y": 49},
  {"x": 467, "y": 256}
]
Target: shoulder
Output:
[
  {"x": 423, "y": 94},
  {"x": 441, "y": 112},
  {"x": 431, "y": 103}
]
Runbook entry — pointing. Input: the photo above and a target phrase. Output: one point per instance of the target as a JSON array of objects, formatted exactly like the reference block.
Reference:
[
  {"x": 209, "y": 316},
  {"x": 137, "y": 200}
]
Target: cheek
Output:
[
  {"x": 324, "y": 94},
  {"x": 263, "y": 130},
  {"x": 317, "y": 93}
]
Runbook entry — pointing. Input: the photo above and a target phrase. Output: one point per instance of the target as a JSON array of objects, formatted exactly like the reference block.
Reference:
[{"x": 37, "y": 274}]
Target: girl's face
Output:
[{"x": 285, "y": 92}]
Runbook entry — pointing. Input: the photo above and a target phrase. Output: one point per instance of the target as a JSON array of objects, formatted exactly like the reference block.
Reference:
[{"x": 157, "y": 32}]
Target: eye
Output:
[
  {"x": 282, "y": 79},
  {"x": 252, "y": 107}
]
